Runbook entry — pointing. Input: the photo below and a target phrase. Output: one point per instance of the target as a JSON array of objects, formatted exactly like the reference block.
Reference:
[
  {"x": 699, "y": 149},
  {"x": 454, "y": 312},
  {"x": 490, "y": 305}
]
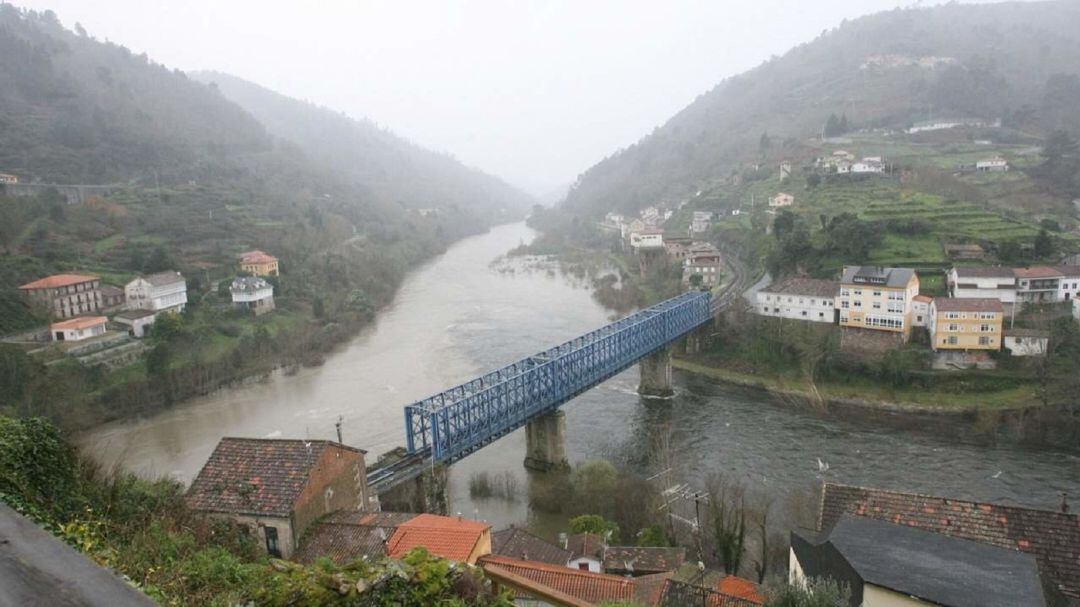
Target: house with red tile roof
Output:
[
  {"x": 642, "y": 560},
  {"x": 678, "y": 593},
  {"x": 1052, "y": 537},
  {"x": 78, "y": 329},
  {"x": 453, "y": 538},
  {"x": 65, "y": 295},
  {"x": 565, "y": 587},
  {"x": 279, "y": 487},
  {"x": 259, "y": 263}
]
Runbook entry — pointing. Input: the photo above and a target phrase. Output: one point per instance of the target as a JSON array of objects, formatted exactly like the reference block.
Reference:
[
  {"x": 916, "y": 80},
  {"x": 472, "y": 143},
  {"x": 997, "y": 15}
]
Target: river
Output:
[{"x": 465, "y": 313}]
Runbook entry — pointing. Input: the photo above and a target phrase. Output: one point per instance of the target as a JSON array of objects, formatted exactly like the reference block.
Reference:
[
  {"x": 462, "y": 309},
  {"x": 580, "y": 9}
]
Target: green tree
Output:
[
  {"x": 816, "y": 593},
  {"x": 595, "y": 524},
  {"x": 1044, "y": 244},
  {"x": 168, "y": 327},
  {"x": 653, "y": 535}
]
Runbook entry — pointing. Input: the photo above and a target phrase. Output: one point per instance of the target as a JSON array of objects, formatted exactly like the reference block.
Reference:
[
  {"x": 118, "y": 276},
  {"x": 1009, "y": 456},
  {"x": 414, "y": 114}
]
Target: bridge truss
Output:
[{"x": 452, "y": 424}]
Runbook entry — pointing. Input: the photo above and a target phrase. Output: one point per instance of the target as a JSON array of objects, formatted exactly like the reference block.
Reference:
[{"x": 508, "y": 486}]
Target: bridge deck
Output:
[{"x": 458, "y": 421}]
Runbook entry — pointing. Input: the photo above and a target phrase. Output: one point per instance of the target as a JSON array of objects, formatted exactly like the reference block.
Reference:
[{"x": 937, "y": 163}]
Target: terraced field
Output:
[{"x": 951, "y": 219}]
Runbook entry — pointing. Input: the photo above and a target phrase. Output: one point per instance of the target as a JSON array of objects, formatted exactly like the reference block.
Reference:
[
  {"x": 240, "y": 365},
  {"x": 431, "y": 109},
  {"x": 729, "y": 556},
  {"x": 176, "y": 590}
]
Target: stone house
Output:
[
  {"x": 65, "y": 295},
  {"x": 279, "y": 487}
]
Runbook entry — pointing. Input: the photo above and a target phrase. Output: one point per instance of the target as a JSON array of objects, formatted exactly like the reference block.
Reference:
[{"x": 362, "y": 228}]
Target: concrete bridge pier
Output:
[
  {"x": 656, "y": 374},
  {"x": 695, "y": 340},
  {"x": 545, "y": 442},
  {"x": 425, "y": 493}
]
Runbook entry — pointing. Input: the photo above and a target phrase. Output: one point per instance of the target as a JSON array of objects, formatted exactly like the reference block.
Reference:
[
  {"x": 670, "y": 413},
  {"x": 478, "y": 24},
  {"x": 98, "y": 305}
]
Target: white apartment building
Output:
[
  {"x": 701, "y": 221},
  {"x": 920, "y": 310},
  {"x": 157, "y": 292},
  {"x": 252, "y": 293},
  {"x": 992, "y": 165},
  {"x": 647, "y": 239},
  {"x": 799, "y": 299},
  {"x": 993, "y": 282}
]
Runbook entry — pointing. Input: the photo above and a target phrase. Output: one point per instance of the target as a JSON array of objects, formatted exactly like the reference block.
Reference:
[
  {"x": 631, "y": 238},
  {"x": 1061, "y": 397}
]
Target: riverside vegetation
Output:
[{"x": 194, "y": 179}]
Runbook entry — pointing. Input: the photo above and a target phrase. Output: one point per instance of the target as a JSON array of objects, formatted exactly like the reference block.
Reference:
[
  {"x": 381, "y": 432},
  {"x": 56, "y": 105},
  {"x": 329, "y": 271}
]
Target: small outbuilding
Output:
[{"x": 78, "y": 329}]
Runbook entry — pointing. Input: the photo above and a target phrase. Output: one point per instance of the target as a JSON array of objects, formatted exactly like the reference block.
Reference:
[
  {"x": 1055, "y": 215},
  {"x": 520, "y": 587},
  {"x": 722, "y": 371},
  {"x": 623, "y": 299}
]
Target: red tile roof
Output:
[
  {"x": 741, "y": 588},
  {"x": 679, "y": 594},
  {"x": 257, "y": 257},
  {"x": 1053, "y": 538},
  {"x": 923, "y": 298},
  {"x": 1037, "y": 272},
  {"x": 82, "y": 322},
  {"x": 582, "y": 585},
  {"x": 256, "y": 476},
  {"x": 58, "y": 280},
  {"x": 348, "y": 535},
  {"x": 447, "y": 537}
]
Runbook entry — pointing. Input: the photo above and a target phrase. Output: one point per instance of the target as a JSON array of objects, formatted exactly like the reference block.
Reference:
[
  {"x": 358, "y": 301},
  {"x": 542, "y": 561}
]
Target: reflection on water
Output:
[{"x": 462, "y": 314}]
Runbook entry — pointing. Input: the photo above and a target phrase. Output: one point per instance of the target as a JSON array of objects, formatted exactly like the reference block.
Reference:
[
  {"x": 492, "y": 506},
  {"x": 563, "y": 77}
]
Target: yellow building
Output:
[
  {"x": 966, "y": 324},
  {"x": 259, "y": 263},
  {"x": 873, "y": 297}
]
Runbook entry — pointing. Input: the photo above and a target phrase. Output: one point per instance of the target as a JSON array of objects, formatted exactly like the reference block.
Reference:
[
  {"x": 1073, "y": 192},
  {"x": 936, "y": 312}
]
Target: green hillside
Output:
[
  {"x": 194, "y": 180},
  {"x": 1014, "y": 62}
]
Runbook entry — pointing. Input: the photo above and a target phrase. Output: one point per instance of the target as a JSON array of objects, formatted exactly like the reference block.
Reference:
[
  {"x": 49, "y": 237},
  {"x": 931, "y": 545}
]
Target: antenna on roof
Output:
[{"x": 337, "y": 425}]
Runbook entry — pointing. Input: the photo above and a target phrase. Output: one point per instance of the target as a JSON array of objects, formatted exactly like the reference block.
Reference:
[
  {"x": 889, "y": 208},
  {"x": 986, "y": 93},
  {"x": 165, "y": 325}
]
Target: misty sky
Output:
[{"x": 535, "y": 92}]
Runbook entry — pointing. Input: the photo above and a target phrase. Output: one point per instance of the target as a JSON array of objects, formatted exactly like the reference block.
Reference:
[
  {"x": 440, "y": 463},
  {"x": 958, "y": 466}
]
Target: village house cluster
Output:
[
  {"x": 971, "y": 318},
  {"x": 702, "y": 262},
  {"x": 79, "y": 305},
  {"x": 308, "y": 499}
]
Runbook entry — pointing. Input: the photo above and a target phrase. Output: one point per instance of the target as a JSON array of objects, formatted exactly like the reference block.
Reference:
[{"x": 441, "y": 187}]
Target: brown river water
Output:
[{"x": 470, "y": 311}]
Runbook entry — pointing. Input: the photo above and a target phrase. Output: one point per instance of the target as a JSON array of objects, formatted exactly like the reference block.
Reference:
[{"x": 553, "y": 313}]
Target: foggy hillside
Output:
[
  {"x": 375, "y": 158},
  {"x": 1012, "y": 61}
]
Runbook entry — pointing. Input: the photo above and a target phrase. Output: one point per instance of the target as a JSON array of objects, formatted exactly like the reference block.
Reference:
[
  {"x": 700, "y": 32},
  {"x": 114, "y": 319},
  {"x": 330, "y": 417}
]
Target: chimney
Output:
[
  {"x": 1064, "y": 503},
  {"x": 563, "y": 540}
]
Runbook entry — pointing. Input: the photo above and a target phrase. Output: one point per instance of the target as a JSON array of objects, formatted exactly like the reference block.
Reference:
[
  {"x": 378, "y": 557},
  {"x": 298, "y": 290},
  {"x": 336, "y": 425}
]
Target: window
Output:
[
  {"x": 804, "y": 312},
  {"x": 984, "y": 341},
  {"x": 953, "y": 340},
  {"x": 821, "y": 315},
  {"x": 583, "y": 566},
  {"x": 953, "y": 327},
  {"x": 877, "y": 293},
  {"x": 844, "y": 293},
  {"x": 896, "y": 296},
  {"x": 844, "y": 304},
  {"x": 272, "y": 541},
  {"x": 985, "y": 328},
  {"x": 918, "y": 318},
  {"x": 858, "y": 304},
  {"x": 952, "y": 315},
  {"x": 896, "y": 308},
  {"x": 858, "y": 291},
  {"x": 877, "y": 305}
]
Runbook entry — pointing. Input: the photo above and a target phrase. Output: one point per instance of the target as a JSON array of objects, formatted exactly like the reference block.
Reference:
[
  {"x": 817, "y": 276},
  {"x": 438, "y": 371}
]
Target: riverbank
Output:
[{"x": 1012, "y": 415}]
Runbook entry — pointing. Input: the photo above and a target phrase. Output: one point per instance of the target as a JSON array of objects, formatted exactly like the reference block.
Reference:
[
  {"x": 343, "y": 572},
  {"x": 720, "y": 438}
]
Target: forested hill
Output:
[
  {"x": 1012, "y": 61},
  {"x": 73, "y": 109},
  {"x": 383, "y": 163}
]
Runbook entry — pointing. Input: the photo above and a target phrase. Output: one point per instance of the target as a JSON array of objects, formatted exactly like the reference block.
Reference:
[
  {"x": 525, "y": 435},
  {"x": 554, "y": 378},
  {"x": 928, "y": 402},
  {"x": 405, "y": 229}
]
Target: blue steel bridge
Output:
[{"x": 452, "y": 424}]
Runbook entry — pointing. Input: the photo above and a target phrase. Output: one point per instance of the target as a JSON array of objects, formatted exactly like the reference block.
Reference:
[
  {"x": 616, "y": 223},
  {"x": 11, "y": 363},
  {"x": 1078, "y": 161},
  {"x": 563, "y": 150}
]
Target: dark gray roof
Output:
[
  {"x": 807, "y": 287},
  {"x": 931, "y": 566},
  {"x": 877, "y": 275},
  {"x": 164, "y": 278},
  {"x": 984, "y": 272},
  {"x": 38, "y": 569},
  {"x": 519, "y": 543},
  {"x": 134, "y": 314}
]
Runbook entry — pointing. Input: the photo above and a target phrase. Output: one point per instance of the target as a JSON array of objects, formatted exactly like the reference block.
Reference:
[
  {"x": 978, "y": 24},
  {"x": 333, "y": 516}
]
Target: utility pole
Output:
[{"x": 337, "y": 425}]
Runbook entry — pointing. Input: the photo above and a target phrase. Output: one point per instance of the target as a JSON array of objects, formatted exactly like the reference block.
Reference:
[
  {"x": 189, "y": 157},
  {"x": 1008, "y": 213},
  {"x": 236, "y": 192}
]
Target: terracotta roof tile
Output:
[
  {"x": 256, "y": 476},
  {"x": 347, "y": 535},
  {"x": 82, "y": 322},
  {"x": 742, "y": 588},
  {"x": 1052, "y": 537},
  {"x": 519, "y": 543},
  {"x": 583, "y": 585},
  {"x": 257, "y": 257},
  {"x": 1036, "y": 272},
  {"x": 58, "y": 280},
  {"x": 680, "y": 594},
  {"x": 447, "y": 537}
]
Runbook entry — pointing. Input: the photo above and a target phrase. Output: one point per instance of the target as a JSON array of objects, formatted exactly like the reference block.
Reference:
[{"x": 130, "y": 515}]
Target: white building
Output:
[
  {"x": 993, "y": 282},
  {"x": 157, "y": 292},
  {"x": 992, "y": 165},
  {"x": 586, "y": 552},
  {"x": 252, "y": 293},
  {"x": 870, "y": 164},
  {"x": 701, "y": 221},
  {"x": 1027, "y": 342},
  {"x": 138, "y": 322},
  {"x": 782, "y": 199},
  {"x": 1047, "y": 284},
  {"x": 647, "y": 239},
  {"x": 78, "y": 329},
  {"x": 800, "y": 299}
]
